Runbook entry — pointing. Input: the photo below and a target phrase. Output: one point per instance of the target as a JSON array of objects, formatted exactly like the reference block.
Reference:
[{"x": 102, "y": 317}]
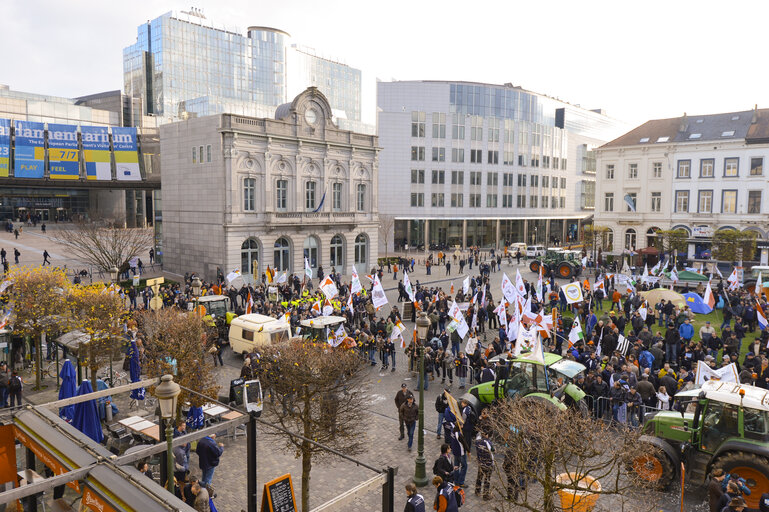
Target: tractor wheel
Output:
[
  {"x": 753, "y": 468},
  {"x": 534, "y": 266},
  {"x": 545, "y": 268},
  {"x": 565, "y": 270},
  {"x": 583, "y": 408},
  {"x": 653, "y": 468}
]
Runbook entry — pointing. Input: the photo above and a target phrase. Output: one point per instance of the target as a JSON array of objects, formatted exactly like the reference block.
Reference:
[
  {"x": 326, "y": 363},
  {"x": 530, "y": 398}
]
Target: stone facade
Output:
[{"x": 271, "y": 190}]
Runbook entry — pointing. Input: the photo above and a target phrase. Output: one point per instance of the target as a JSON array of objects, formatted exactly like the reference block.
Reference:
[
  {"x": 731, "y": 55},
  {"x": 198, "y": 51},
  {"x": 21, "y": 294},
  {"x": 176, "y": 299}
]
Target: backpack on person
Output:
[
  {"x": 14, "y": 384},
  {"x": 459, "y": 495}
]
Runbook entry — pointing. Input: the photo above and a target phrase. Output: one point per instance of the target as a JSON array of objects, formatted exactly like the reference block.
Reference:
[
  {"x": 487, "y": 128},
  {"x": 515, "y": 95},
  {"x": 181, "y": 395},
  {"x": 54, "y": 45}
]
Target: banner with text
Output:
[
  {"x": 126, "y": 154},
  {"x": 63, "y": 160},
  {"x": 96, "y": 153},
  {"x": 5, "y": 147},
  {"x": 29, "y": 160}
]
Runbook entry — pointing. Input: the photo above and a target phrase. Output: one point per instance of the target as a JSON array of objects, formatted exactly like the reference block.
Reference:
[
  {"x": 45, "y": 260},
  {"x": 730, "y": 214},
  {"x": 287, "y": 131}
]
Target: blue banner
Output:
[
  {"x": 5, "y": 147},
  {"x": 96, "y": 153},
  {"x": 126, "y": 154},
  {"x": 63, "y": 155},
  {"x": 29, "y": 159}
]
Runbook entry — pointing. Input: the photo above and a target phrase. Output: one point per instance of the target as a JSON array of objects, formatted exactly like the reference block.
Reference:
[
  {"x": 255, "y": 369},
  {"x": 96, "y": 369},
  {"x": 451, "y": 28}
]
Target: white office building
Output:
[
  {"x": 697, "y": 173},
  {"x": 467, "y": 164}
]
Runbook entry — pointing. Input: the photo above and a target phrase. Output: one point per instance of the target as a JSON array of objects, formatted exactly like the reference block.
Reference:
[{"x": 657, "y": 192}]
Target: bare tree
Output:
[
  {"x": 104, "y": 245},
  {"x": 386, "y": 229},
  {"x": 539, "y": 444},
  {"x": 318, "y": 394}
]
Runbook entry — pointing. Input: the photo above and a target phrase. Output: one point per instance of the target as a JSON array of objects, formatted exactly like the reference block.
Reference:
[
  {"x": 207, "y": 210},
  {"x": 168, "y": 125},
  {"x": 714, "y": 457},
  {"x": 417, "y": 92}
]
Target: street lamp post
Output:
[
  {"x": 167, "y": 393},
  {"x": 196, "y": 286},
  {"x": 420, "y": 474},
  {"x": 113, "y": 273}
]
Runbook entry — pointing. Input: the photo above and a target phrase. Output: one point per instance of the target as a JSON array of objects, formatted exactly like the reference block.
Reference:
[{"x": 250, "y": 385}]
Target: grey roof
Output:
[
  {"x": 283, "y": 110},
  {"x": 708, "y": 128}
]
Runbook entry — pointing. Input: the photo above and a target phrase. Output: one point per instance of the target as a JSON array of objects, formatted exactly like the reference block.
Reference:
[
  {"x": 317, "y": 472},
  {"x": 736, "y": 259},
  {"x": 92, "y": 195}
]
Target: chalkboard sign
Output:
[
  {"x": 278, "y": 495},
  {"x": 236, "y": 391}
]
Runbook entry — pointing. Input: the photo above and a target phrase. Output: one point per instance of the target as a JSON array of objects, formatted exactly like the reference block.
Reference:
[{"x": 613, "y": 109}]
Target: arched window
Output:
[
  {"x": 249, "y": 256},
  {"x": 361, "y": 252},
  {"x": 282, "y": 254},
  {"x": 651, "y": 236},
  {"x": 336, "y": 257},
  {"x": 311, "y": 251},
  {"x": 630, "y": 239}
]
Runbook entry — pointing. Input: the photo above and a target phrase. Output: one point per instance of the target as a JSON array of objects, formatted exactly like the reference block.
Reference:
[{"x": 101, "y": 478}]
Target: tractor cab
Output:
[
  {"x": 216, "y": 306},
  {"x": 721, "y": 424}
]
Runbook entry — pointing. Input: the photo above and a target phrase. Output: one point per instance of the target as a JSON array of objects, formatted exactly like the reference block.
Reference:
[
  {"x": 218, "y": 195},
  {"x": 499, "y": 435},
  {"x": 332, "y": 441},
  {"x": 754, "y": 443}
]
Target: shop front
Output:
[{"x": 43, "y": 204}]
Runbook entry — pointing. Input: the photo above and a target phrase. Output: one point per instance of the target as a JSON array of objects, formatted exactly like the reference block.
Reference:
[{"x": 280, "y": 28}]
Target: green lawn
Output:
[{"x": 715, "y": 317}]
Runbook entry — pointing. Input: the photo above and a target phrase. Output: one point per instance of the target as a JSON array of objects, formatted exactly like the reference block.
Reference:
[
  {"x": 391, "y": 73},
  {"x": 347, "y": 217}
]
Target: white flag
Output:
[
  {"x": 643, "y": 311},
  {"x": 501, "y": 312},
  {"x": 307, "y": 268},
  {"x": 734, "y": 280},
  {"x": 726, "y": 373},
  {"x": 519, "y": 286},
  {"x": 408, "y": 287},
  {"x": 458, "y": 321},
  {"x": 536, "y": 354},
  {"x": 572, "y": 292},
  {"x": 378, "y": 297},
  {"x": 328, "y": 287},
  {"x": 576, "y": 333},
  {"x": 525, "y": 340},
  {"x": 466, "y": 285},
  {"x": 514, "y": 325},
  {"x": 340, "y": 335},
  {"x": 230, "y": 277},
  {"x": 355, "y": 286},
  {"x": 508, "y": 290},
  {"x": 540, "y": 291},
  {"x": 283, "y": 279}
]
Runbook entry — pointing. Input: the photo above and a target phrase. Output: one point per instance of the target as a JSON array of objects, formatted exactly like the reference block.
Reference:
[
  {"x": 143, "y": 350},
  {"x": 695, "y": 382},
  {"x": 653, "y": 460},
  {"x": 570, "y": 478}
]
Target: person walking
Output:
[
  {"x": 415, "y": 502},
  {"x": 400, "y": 399},
  {"x": 3, "y": 254},
  {"x": 16, "y": 255},
  {"x": 445, "y": 499},
  {"x": 45, "y": 258},
  {"x": 409, "y": 413},
  {"x": 208, "y": 451},
  {"x": 441, "y": 403}
]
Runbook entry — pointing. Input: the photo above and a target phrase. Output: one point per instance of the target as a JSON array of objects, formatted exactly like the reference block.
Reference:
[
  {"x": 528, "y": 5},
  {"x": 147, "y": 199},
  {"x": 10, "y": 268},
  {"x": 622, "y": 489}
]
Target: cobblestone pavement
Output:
[{"x": 333, "y": 477}]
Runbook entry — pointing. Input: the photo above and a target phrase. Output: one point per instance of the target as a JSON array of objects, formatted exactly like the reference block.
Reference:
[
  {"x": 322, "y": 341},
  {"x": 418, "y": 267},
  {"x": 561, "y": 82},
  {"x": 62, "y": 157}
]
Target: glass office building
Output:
[{"x": 183, "y": 66}]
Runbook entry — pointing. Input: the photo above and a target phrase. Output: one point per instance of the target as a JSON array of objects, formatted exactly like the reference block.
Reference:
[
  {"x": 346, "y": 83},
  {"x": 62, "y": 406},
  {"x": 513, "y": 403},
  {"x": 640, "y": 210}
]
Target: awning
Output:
[{"x": 649, "y": 250}]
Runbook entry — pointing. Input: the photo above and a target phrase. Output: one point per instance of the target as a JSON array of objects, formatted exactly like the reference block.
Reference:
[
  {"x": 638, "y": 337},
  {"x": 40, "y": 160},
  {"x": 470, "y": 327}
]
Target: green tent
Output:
[{"x": 686, "y": 275}]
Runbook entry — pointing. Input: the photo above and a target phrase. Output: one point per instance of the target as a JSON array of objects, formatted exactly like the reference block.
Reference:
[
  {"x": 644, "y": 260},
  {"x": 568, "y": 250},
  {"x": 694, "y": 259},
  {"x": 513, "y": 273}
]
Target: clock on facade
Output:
[{"x": 311, "y": 116}]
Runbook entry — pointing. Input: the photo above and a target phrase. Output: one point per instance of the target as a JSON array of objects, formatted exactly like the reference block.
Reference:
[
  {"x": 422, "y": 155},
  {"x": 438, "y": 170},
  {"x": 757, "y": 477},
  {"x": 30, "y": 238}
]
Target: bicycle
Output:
[{"x": 119, "y": 377}]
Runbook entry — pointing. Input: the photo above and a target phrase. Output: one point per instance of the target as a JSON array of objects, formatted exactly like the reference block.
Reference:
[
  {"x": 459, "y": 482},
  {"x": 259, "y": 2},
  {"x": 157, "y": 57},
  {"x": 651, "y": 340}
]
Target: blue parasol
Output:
[
  {"x": 136, "y": 371},
  {"x": 195, "y": 418},
  {"x": 67, "y": 390},
  {"x": 86, "y": 417}
]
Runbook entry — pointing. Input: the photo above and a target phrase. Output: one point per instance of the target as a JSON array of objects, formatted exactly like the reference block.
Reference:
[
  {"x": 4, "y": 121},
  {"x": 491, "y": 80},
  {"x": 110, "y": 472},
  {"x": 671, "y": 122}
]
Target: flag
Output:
[
  {"x": 483, "y": 297},
  {"x": 508, "y": 290},
  {"x": 474, "y": 323},
  {"x": 584, "y": 262},
  {"x": 340, "y": 334},
  {"x": 718, "y": 271},
  {"x": 709, "y": 299},
  {"x": 355, "y": 286},
  {"x": 598, "y": 285},
  {"x": 398, "y": 334},
  {"x": 230, "y": 277},
  {"x": 572, "y": 292},
  {"x": 726, "y": 373},
  {"x": 519, "y": 286},
  {"x": 762, "y": 324},
  {"x": 269, "y": 273},
  {"x": 452, "y": 289},
  {"x": 283, "y": 278},
  {"x": 349, "y": 302},
  {"x": 328, "y": 287},
  {"x": 539, "y": 290},
  {"x": 674, "y": 275},
  {"x": 407, "y": 285},
  {"x": 643, "y": 311},
  {"x": 734, "y": 280},
  {"x": 646, "y": 270},
  {"x": 466, "y": 285},
  {"x": 524, "y": 340},
  {"x": 5, "y": 319},
  {"x": 630, "y": 202},
  {"x": 623, "y": 344},
  {"x": 759, "y": 285},
  {"x": 307, "y": 269},
  {"x": 317, "y": 308},
  {"x": 501, "y": 312},
  {"x": 5, "y": 284},
  {"x": 378, "y": 297},
  {"x": 458, "y": 321},
  {"x": 536, "y": 354},
  {"x": 514, "y": 324},
  {"x": 328, "y": 309},
  {"x": 576, "y": 333},
  {"x": 249, "y": 304},
  {"x": 656, "y": 268}
]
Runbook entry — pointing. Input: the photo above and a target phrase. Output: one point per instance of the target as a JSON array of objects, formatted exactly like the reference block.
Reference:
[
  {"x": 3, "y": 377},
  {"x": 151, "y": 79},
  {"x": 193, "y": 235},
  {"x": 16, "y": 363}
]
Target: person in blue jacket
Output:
[{"x": 208, "y": 451}]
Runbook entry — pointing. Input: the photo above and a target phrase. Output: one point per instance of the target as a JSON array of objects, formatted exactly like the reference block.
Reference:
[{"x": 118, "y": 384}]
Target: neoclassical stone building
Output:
[{"x": 241, "y": 191}]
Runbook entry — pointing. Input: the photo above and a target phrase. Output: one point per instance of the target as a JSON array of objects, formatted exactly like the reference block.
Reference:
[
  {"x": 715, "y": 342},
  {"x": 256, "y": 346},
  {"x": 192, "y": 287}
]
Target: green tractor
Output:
[
  {"x": 721, "y": 425},
  {"x": 551, "y": 383},
  {"x": 565, "y": 264}
]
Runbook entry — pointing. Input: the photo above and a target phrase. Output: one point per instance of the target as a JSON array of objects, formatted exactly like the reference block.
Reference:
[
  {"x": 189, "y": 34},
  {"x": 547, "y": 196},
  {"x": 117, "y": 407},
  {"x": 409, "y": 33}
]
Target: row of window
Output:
[
  {"x": 201, "y": 154},
  {"x": 704, "y": 201},
  {"x": 492, "y": 179},
  {"x": 438, "y": 200},
  {"x": 310, "y": 196},
  {"x": 282, "y": 257},
  {"x": 418, "y": 154},
  {"x": 684, "y": 168}
]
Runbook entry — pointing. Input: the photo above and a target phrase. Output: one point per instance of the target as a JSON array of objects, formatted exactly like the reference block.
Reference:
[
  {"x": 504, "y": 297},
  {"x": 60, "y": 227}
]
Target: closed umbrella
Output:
[
  {"x": 86, "y": 417},
  {"x": 67, "y": 390},
  {"x": 136, "y": 371}
]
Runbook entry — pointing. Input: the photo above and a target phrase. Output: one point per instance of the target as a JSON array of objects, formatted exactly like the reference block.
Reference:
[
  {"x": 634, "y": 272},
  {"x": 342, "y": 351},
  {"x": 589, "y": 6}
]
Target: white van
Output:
[
  {"x": 535, "y": 251},
  {"x": 248, "y": 332},
  {"x": 515, "y": 247}
]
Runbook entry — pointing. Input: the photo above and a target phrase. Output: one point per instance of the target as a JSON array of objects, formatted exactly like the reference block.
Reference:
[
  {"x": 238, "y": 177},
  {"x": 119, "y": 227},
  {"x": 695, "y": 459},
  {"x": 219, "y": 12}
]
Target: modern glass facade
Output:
[{"x": 183, "y": 66}]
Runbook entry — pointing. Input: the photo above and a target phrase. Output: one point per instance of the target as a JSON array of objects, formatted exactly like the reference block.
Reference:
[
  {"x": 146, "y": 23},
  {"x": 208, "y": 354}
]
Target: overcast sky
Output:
[{"x": 636, "y": 60}]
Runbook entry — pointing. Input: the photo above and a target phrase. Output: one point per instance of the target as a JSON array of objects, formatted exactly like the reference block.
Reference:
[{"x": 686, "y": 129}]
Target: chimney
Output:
[
  {"x": 754, "y": 120},
  {"x": 684, "y": 124}
]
